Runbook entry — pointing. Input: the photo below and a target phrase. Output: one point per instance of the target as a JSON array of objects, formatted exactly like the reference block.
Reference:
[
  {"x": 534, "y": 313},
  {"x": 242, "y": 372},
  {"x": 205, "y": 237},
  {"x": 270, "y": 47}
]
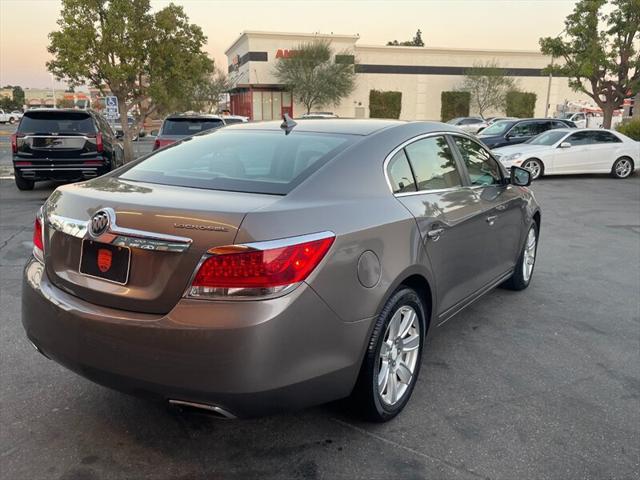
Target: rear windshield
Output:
[
  {"x": 240, "y": 160},
  {"x": 189, "y": 126},
  {"x": 70, "y": 123}
]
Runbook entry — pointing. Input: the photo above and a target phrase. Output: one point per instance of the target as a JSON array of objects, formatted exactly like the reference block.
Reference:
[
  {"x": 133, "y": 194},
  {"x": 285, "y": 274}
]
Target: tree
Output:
[
  {"x": 600, "y": 52},
  {"x": 147, "y": 60},
  {"x": 415, "y": 42},
  {"x": 208, "y": 92},
  {"x": 18, "y": 96},
  {"x": 488, "y": 85},
  {"x": 314, "y": 77}
]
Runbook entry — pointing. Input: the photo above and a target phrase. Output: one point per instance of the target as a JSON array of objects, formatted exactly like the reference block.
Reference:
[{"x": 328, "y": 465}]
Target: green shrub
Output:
[
  {"x": 630, "y": 128},
  {"x": 520, "y": 104},
  {"x": 454, "y": 104},
  {"x": 385, "y": 104}
]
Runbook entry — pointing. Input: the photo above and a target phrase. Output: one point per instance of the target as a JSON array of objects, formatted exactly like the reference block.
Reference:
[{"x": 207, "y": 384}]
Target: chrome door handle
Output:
[
  {"x": 501, "y": 207},
  {"x": 491, "y": 219},
  {"x": 435, "y": 234}
]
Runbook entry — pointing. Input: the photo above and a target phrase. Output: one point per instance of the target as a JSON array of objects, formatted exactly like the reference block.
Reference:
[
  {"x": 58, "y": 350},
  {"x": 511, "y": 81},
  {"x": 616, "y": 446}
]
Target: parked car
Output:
[
  {"x": 8, "y": 117},
  {"x": 492, "y": 120},
  {"x": 579, "y": 118},
  {"x": 317, "y": 115},
  {"x": 233, "y": 119},
  {"x": 17, "y": 113},
  {"x": 63, "y": 144},
  {"x": 512, "y": 132},
  {"x": 245, "y": 271},
  {"x": 566, "y": 151},
  {"x": 469, "y": 124},
  {"x": 183, "y": 125}
]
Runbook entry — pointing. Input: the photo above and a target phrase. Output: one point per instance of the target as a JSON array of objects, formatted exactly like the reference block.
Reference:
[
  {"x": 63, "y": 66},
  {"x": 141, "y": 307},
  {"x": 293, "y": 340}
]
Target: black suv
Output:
[
  {"x": 60, "y": 144},
  {"x": 512, "y": 132}
]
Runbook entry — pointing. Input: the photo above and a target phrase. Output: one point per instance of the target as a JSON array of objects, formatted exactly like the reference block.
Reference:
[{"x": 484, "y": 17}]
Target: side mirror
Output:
[
  {"x": 520, "y": 176},
  {"x": 565, "y": 145}
]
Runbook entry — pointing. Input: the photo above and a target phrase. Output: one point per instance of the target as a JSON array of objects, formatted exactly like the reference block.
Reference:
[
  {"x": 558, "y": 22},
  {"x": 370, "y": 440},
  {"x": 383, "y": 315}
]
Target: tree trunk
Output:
[
  {"x": 127, "y": 140},
  {"x": 607, "y": 115}
]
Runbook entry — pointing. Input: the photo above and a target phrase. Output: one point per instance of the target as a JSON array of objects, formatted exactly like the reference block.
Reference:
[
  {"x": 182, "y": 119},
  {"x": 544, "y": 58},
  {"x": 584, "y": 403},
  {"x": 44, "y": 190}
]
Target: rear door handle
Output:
[
  {"x": 435, "y": 234},
  {"x": 492, "y": 219}
]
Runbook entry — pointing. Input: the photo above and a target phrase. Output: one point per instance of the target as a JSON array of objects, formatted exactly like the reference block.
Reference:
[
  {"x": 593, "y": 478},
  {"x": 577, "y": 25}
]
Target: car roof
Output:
[
  {"x": 328, "y": 125},
  {"x": 195, "y": 116}
]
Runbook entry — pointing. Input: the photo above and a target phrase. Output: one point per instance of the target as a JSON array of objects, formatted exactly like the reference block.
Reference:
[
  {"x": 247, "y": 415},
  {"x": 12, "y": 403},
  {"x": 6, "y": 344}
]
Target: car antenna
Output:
[{"x": 287, "y": 124}]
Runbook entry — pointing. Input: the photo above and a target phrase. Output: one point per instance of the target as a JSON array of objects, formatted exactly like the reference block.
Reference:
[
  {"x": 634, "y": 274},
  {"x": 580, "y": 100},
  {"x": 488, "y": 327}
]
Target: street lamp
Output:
[
  {"x": 546, "y": 107},
  {"x": 53, "y": 90}
]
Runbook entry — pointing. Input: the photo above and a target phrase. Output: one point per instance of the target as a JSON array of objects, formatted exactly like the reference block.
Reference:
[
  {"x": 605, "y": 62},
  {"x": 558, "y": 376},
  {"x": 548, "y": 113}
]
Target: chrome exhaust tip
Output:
[{"x": 220, "y": 412}]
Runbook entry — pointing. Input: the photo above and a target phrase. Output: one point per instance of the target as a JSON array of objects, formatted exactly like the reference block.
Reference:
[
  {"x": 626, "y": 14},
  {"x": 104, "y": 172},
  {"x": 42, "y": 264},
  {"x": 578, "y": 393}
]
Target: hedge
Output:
[
  {"x": 521, "y": 104},
  {"x": 454, "y": 104},
  {"x": 630, "y": 128},
  {"x": 385, "y": 104}
]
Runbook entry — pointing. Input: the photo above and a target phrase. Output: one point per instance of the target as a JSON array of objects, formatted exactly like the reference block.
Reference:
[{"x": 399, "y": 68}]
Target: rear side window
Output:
[
  {"x": 189, "y": 126},
  {"x": 62, "y": 123},
  {"x": 240, "y": 160},
  {"x": 433, "y": 164},
  {"x": 605, "y": 137},
  {"x": 400, "y": 174}
]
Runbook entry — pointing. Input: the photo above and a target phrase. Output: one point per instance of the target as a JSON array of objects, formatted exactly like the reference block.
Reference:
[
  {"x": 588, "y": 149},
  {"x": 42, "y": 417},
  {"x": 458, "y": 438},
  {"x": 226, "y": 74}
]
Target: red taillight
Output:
[
  {"x": 14, "y": 142},
  {"x": 259, "y": 266},
  {"x": 161, "y": 142},
  {"x": 23, "y": 164},
  {"x": 93, "y": 162},
  {"x": 99, "y": 145},
  {"x": 38, "y": 244}
]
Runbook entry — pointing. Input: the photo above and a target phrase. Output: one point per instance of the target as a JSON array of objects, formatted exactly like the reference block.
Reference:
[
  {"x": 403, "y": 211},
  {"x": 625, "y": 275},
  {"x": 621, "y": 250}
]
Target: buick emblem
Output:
[{"x": 99, "y": 223}]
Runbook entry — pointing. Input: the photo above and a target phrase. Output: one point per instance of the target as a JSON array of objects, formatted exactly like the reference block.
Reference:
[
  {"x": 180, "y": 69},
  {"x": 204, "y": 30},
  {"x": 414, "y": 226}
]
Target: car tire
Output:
[
  {"x": 622, "y": 168},
  {"x": 12, "y": 120},
  {"x": 370, "y": 398},
  {"x": 23, "y": 183},
  {"x": 535, "y": 166},
  {"x": 526, "y": 261}
]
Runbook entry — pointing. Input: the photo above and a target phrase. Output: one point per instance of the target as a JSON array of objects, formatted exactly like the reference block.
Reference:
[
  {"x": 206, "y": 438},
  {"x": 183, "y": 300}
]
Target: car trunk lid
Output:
[{"x": 157, "y": 277}]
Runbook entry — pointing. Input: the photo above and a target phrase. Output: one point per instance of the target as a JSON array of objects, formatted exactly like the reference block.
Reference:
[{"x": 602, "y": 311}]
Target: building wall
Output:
[{"x": 433, "y": 70}]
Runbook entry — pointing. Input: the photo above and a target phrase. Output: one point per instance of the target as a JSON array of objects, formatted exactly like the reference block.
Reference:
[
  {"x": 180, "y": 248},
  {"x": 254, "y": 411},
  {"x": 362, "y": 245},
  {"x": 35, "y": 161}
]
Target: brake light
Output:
[
  {"x": 156, "y": 144},
  {"x": 92, "y": 162},
  {"x": 38, "y": 243},
  {"x": 259, "y": 269},
  {"x": 99, "y": 145},
  {"x": 14, "y": 142},
  {"x": 161, "y": 142},
  {"x": 23, "y": 164}
]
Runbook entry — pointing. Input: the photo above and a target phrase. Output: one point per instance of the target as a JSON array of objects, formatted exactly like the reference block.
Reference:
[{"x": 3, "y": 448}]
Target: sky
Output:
[{"x": 492, "y": 24}]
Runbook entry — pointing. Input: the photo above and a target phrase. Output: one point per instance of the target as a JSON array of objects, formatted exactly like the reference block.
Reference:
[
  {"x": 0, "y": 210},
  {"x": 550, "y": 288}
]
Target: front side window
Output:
[
  {"x": 433, "y": 164},
  {"x": 482, "y": 168},
  {"x": 549, "y": 137},
  {"x": 240, "y": 160},
  {"x": 581, "y": 138},
  {"x": 497, "y": 128},
  {"x": 529, "y": 129}
]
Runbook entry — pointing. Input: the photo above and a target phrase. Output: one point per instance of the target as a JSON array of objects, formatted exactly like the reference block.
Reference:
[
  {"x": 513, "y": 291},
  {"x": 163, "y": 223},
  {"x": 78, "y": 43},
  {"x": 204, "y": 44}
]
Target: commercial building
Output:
[{"x": 420, "y": 73}]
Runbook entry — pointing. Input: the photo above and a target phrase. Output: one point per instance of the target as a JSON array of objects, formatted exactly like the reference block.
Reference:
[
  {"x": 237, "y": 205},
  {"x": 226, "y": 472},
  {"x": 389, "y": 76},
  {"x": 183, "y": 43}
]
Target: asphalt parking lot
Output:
[{"x": 540, "y": 384}]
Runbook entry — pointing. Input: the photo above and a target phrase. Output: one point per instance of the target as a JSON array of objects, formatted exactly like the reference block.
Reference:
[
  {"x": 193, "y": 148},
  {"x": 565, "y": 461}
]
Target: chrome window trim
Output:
[
  {"x": 120, "y": 236},
  {"x": 402, "y": 146}
]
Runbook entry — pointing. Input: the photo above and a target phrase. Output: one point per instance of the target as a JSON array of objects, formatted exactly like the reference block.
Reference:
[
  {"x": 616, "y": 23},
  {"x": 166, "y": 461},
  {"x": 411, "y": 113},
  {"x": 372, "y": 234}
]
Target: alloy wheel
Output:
[
  {"x": 529, "y": 257},
  {"x": 398, "y": 355},
  {"x": 534, "y": 167},
  {"x": 623, "y": 168}
]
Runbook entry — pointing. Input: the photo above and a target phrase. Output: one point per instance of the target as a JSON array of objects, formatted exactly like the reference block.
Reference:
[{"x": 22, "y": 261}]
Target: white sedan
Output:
[{"x": 565, "y": 151}]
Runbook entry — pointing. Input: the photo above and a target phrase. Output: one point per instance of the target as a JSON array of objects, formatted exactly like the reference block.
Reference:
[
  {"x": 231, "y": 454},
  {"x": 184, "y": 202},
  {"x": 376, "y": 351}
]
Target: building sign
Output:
[
  {"x": 111, "y": 110},
  {"x": 284, "y": 53}
]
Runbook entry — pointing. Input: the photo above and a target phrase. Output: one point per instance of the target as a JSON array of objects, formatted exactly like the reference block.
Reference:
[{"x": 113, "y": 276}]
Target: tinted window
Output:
[
  {"x": 581, "y": 138},
  {"x": 483, "y": 170},
  {"x": 240, "y": 160},
  {"x": 433, "y": 164},
  {"x": 529, "y": 129},
  {"x": 547, "y": 138},
  {"x": 57, "y": 122},
  {"x": 605, "y": 137},
  {"x": 189, "y": 126},
  {"x": 400, "y": 174},
  {"x": 498, "y": 128},
  {"x": 558, "y": 124}
]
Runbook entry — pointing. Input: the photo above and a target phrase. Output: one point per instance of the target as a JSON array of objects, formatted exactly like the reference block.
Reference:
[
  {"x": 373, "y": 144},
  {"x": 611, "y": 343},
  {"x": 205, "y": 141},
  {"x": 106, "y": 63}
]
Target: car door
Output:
[
  {"x": 573, "y": 154},
  {"x": 427, "y": 180},
  {"x": 502, "y": 208},
  {"x": 605, "y": 148}
]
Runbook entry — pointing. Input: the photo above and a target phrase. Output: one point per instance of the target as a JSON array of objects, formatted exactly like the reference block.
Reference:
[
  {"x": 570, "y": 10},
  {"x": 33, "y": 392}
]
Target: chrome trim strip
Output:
[
  {"x": 285, "y": 242},
  {"x": 121, "y": 236},
  {"x": 203, "y": 406}
]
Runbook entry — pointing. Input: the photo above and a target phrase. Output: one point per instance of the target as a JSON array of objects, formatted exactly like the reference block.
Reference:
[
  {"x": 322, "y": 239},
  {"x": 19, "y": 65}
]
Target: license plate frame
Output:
[{"x": 88, "y": 265}]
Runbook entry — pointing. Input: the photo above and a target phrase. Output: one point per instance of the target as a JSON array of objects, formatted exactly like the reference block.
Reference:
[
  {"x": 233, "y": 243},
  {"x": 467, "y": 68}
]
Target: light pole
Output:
[
  {"x": 546, "y": 107},
  {"x": 53, "y": 90}
]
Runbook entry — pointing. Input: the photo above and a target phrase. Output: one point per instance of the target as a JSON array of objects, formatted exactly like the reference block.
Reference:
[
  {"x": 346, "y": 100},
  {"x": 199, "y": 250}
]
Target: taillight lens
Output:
[
  {"x": 14, "y": 142},
  {"x": 259, "y": 269},
  {"x": 99, "y": 144},
  {"x": 38, "y": 242},
  {"x": 161, "y": 142}
]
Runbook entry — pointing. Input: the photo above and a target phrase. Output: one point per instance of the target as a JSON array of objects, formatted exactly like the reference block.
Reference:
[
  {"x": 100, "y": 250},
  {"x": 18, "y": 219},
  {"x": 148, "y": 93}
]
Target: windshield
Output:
[
  {"x": 240, "y": 160},
  {"x": 68, "y": 123},
  {"x": 497, "y": 128},
  {"x": 565, "y": 116},
  {"x": 549, "y": 137},
  {"x": 189, "y": 126}
]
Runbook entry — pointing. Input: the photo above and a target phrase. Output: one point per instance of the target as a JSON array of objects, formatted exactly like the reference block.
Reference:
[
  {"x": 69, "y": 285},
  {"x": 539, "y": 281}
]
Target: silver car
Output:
[{"x": 263, "y": 267}]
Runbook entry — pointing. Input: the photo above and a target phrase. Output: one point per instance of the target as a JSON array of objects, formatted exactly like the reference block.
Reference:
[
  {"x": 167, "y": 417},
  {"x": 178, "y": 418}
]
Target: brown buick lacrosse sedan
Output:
[{"x": 270, "y": 266}]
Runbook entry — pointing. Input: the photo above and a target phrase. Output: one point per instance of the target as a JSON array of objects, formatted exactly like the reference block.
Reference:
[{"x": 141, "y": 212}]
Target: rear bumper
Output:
[
  {"x": 249, "y": 358},
  {"x": 59, "y": 169}
]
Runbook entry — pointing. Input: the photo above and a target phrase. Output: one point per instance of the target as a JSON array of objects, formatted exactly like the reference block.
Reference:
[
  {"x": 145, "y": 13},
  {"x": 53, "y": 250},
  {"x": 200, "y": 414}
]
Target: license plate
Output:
[{"x": 104, "y": 261}]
